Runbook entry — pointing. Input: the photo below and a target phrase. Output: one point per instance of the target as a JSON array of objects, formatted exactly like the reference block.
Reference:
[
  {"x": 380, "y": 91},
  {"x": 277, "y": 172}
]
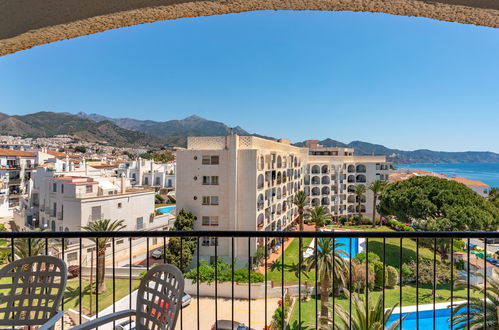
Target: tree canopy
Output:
[{"x": 438, "y": 204}]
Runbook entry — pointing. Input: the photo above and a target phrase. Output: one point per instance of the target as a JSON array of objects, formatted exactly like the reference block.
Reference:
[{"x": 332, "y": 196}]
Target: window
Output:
[
  {"x": 210, "y": 220},
  {"x": 140, "y": 223},
  {"x": 54, "y": 187},
  {"x": 54, "y": 211},
  {"x": 96, "y": 213},
  {"x": 89, "y": 188},
  {"x": 120, "y": 205},
  {"x": 210, "y": 200},
  {"x": 62, "y": 188},
  {"x": 214, "y": 180},
  {"x": 210, "y": 160},
  {"x": 210, "y": 180}
]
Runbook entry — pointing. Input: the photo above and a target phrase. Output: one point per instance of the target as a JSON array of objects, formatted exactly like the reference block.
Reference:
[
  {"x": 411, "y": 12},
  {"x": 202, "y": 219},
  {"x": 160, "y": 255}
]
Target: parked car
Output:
[
  {"x": 186, "y": 300},
  {"x": 228, "y": 325},
  {"x": 157, "y": 254}
]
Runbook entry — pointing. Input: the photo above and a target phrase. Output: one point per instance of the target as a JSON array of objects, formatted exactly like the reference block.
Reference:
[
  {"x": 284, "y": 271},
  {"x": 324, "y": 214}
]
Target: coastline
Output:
[{"x": 487, "y": 173}]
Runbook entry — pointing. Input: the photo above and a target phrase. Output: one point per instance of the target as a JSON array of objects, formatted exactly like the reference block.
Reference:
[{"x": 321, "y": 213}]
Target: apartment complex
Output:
[
  {"x": 66, "y": 201},
  {"x": 331, "y": 175},
  {"x": 238, "y": 183},
  {"x": 143, "y": 172},
  {"x": 15, "y": 168},
  {"x": 247, "y": 183}
]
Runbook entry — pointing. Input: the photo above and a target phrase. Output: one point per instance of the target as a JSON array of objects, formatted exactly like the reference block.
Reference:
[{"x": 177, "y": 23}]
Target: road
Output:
[{"x": 207, "y": 313}]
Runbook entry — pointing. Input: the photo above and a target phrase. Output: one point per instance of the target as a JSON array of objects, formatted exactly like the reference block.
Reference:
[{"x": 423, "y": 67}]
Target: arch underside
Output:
[{"x": 28, "y": 23}]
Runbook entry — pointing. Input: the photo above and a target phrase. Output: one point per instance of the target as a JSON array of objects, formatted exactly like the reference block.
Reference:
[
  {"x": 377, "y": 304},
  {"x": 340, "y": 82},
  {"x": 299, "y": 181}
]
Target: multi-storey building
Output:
[
  {"x": 248, "y": 183},
  {"x": 143, "y": 172},
  {"x": 238, "y": 183},
  {"x": 15, "y": 168},
  {"x": 331, "y": 175},
  {"x": 66, "y": 201}
]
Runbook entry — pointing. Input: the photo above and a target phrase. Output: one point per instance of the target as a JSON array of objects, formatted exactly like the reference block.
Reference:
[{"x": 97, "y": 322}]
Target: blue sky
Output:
[{"x": 399, "y": 81}]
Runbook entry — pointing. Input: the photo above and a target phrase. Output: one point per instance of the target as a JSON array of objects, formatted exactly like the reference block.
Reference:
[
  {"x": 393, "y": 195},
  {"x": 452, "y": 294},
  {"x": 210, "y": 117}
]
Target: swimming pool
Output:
[
  {"x": 166, "y": 209},
  {"x": 442, "y": 319},
  {"x": 342, "y": 240}
]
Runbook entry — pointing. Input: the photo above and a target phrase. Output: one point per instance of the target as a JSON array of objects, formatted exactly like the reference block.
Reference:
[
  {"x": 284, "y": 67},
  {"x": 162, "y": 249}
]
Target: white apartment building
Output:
[
  {"x": 144, "y": 172},
  {"x": 238, "y": 183},
  {"x": 331, "y": 175},
  {"x": 66, "y": 201},
  {"x": 15, "y": 167},
  {"x": 247, "y": 183}
]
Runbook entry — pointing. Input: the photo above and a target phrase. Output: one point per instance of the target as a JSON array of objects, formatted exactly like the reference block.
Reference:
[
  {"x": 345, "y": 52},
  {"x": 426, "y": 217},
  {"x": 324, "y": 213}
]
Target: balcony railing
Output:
[{"x": 281, "y": 279}]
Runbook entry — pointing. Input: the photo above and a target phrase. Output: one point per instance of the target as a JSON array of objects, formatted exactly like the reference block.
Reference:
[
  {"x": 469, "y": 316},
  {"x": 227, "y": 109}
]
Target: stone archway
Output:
[{"x": 28, "y": 23}]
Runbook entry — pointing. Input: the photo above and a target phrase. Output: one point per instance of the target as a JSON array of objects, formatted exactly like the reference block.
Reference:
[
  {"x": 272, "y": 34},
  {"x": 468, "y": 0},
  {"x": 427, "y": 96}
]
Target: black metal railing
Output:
[{"x": 292, "y": 274}]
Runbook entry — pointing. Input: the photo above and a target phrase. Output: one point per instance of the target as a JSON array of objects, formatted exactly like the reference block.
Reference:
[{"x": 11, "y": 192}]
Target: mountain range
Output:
[
  {"x": 416, "y": 156},
  {"x": 133, "y": 132}
]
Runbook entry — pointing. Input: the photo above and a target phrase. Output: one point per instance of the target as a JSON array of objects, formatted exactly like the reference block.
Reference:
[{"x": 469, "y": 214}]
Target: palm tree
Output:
[
  {"x": 100, "y": 243},
  {"x": 26, "y": 247},
  {"x": 376, "y": 317},
  {"x": 322, "y": 258},
  {"x": 377, "y": 188},
  {"x": 478, "y": 307},
  {"x": 301, "y": 201},
  {"x": 360, "y": 190},
  {"x": 318, "y": 215}
]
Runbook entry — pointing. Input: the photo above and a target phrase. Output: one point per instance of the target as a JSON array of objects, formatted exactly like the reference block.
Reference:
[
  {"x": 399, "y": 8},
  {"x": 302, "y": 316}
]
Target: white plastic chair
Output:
[
  {"x": 34, "y": 292},
  {"x": 159, "y": 299}
]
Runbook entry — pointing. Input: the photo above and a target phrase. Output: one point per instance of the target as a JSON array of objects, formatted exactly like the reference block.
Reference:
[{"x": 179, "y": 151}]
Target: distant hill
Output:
[
  {"x": 175, "y": 132},
  {"x": 49, "y": 124},
  {"x": 133, "y": 132},
  {"x": 417, "y": 156}
]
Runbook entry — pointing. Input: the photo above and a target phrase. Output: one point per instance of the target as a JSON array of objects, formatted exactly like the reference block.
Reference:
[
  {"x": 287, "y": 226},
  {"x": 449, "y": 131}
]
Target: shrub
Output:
[
  {"x": 378, "y": 275},
  {"x": 425, "y": 275},
  {"x": 172, "y": 199},
  {"x": 159, "y": 198},
  {"x": 407, "y": 273},
  {"x": 343, "y": 220},
  {"x": 224, "y": 273},
  {"x": 74, "y": 271},
  {"x": 361, "y": 257},
  {"x": 359, "y": 276},
  {"x": 392, "y": 277},
  {"x": 399, "y": 226}
]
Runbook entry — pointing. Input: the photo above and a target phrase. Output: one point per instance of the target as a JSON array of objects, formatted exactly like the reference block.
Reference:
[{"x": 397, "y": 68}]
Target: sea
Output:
[{"x": 486, "y": 172}]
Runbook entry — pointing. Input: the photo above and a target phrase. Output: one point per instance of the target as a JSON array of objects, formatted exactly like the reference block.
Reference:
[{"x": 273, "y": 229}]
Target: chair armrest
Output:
[
  {"x": 52, "y": 321},
  {"x": 104, "y": 319}
]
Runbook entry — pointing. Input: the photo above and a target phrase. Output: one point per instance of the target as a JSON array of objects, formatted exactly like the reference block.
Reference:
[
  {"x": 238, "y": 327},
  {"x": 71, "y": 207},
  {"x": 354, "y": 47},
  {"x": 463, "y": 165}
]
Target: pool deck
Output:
[{"x": 423, "y": 308}]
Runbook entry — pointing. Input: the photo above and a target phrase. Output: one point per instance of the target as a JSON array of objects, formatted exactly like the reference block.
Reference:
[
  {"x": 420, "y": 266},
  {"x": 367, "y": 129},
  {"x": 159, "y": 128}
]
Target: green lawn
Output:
[
  {"x": 392, "y": 247},
  {"x": 392, "y": 252},
  {"x": 391, "y": 295},
  {"x": 71, "y": 299},
  {"x": 291, "y": 256}
]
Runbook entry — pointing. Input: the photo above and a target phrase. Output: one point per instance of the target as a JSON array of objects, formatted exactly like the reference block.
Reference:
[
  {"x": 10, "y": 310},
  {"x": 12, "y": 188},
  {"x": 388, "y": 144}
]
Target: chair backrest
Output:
[
  {"x": 34, "y": 290},
  {"x": 159, "y": 298}
]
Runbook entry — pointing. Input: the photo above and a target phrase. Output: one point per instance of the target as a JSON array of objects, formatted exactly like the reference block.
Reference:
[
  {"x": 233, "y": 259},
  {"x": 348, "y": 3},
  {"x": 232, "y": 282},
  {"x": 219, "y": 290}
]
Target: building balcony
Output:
[{"x": 129, "y": 254}]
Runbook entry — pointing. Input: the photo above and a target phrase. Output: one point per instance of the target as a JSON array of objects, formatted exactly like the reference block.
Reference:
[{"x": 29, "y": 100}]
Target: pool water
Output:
[
  {"x": 442, "y": 319},
  {"x": 166, "y": 209},
  {"x": 346, "y": 245}
]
